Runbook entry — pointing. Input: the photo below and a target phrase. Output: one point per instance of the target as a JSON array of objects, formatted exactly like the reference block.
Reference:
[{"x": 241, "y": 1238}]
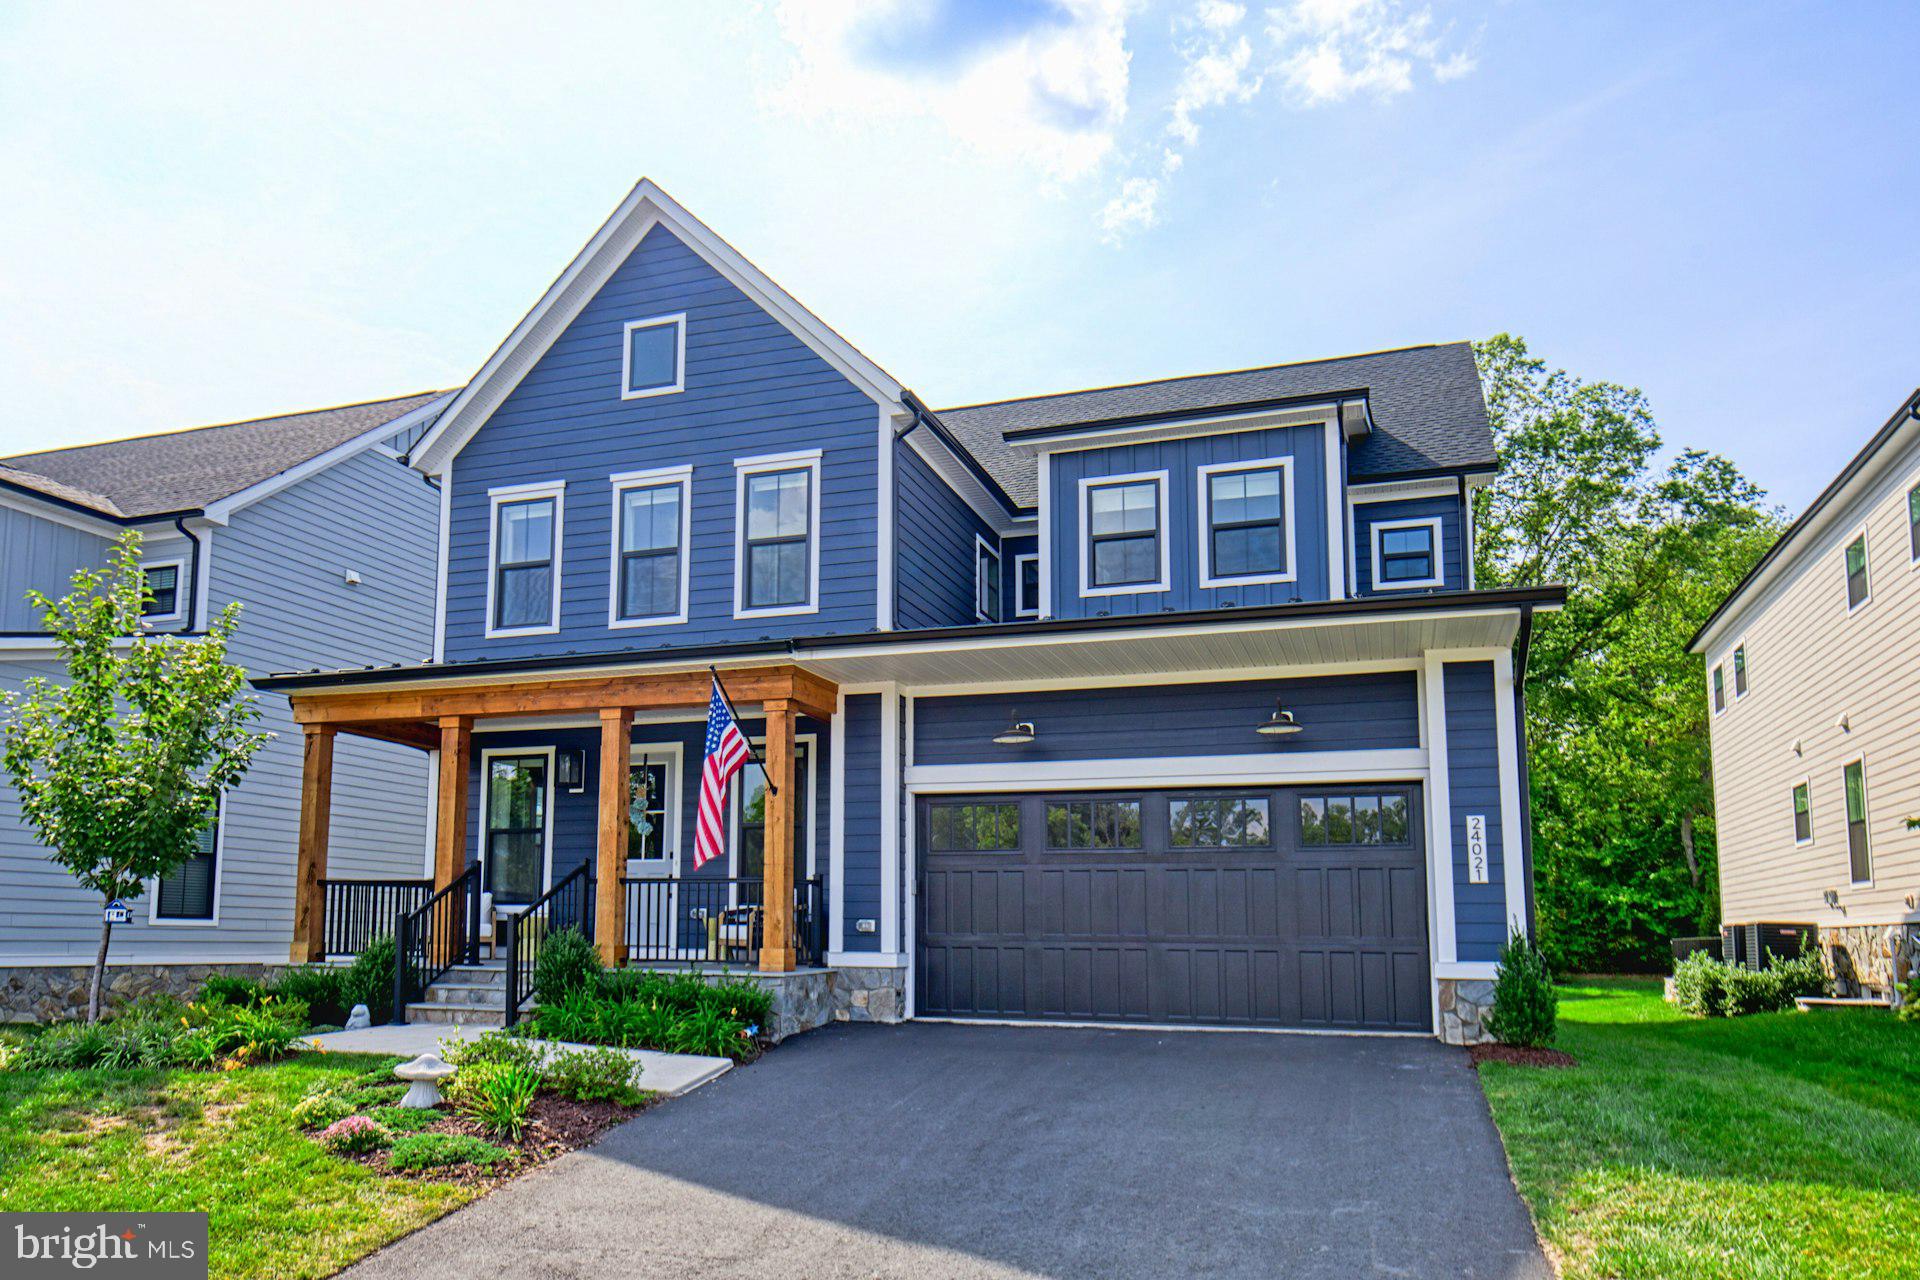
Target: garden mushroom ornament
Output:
[{"x": 424, "y": 1074}]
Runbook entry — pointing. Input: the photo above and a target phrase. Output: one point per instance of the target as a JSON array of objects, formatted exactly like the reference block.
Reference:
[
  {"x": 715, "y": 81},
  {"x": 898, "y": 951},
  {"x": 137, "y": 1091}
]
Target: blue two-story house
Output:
[{"x": 1168, "y": 703}]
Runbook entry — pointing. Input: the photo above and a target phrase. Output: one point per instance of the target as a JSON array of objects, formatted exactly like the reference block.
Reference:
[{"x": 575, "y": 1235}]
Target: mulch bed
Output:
[
  {"x": 555, "y": 1126},
  {"x": 1514, "y": 1055}
]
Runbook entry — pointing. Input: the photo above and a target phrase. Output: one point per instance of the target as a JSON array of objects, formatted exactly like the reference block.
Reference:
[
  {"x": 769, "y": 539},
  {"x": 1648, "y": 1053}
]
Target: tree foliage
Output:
[
  {"x": 1622, "y": 794},
  {"x": 119, "y": 768}
]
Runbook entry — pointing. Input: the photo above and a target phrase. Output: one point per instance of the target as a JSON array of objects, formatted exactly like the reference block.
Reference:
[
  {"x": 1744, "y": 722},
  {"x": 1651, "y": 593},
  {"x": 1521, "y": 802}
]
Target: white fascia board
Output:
[
  {"x": 1403, "y": 490},
  {"x": 1097, "y": 437},
  {"x": 645, "y": 207},
  {"x": 934, "y": 452},
  {"x": 222, "y": 511}
]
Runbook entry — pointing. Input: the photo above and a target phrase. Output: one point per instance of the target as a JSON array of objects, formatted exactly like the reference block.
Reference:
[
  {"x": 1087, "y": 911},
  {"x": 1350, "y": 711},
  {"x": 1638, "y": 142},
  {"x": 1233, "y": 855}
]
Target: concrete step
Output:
[
  {"x": 446, "y": 993},
  {"x": 459, "y": 1015}
]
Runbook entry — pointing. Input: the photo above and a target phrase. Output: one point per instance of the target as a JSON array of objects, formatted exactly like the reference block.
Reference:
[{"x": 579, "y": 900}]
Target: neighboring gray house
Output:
[{"x": 328, "y": 540}]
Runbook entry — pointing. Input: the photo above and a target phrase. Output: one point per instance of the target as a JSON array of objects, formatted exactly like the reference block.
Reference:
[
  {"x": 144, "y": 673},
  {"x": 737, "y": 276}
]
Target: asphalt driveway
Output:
[{"x": 935, "y": 1150}]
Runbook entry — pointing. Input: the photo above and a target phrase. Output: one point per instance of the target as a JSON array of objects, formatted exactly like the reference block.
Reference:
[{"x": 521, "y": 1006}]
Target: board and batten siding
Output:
[
  {"x": 752, "y": 389},
  {"x": 44, "y": 555},
  {"x": 1452, "y": 558},
  {"x": 285, "y": 558},
  {"x": 934, "y": 532},
  {"x": 860, "y": 862},
  {"x": 1181, "y": 459},
  {"x": 1473, "y": 787},
  {"x": 1811, "y": 662}
]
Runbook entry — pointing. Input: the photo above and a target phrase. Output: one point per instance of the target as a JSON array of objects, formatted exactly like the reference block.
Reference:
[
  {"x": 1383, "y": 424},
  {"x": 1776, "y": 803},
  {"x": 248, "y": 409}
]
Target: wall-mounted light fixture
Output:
[
  {"x": 1831, "y": 897},
  {"x": 1016, "y": 734},
  {"x": 570, "y": 768},
  {"x": 1281, "y": 722}
]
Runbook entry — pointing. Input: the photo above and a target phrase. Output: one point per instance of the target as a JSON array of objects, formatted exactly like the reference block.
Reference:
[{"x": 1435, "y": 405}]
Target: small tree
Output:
[
  {"x": 1525, "y": 1004},
  {"x": 120, "y": 768}
]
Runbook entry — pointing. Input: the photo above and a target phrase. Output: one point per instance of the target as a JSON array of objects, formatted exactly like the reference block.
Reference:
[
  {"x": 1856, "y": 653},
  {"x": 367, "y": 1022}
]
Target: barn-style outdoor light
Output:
[
  {"x": 1280, "y": 723},
  {"x": 570, "y": 768},
  {"x": 1017, "y": 734}
]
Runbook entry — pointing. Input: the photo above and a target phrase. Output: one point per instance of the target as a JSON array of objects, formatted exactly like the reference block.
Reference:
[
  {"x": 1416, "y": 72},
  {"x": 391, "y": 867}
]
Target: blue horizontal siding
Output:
[
  {"x": 752, "y": 388},
  {"x": 1370, "y": 712},
  {"x": 1452, "y": 540},
  {"x": 1473, "y": 784},
  {"x": 1181, "y": 459},
  {"x": 861, "y": 833},
  {"x": 1011, "y": 549},
  {"x": 934, "y": 531}
]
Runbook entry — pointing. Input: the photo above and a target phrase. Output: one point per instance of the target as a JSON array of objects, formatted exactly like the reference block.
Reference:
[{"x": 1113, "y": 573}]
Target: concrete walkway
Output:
[
  {"x": 952, "y": 1151},
  {"x": 669, "y": 1073}
]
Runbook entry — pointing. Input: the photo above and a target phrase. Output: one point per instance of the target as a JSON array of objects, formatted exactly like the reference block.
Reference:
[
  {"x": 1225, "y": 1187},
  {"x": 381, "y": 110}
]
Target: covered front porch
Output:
[{"x": 573, "y": 802}]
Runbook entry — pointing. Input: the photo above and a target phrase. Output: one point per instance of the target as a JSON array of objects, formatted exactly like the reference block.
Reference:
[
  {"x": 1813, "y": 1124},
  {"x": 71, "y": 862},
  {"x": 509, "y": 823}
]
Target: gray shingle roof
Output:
[
  {"x": 1428, "y": 412},
  {"x": 187, "y": 470}
]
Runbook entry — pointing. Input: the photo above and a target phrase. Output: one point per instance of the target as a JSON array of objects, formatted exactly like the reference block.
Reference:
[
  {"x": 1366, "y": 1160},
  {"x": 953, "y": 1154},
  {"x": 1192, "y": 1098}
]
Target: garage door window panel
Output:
[
  {"x": 1219, "y": 822},
  {"x": 1353, "y": 819},
  {"x": 1093, "y": 824},
  {"x": 974, "y": 828}
]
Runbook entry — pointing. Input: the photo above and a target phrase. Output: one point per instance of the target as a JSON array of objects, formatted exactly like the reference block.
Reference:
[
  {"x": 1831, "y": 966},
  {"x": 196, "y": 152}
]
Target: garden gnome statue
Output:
[
  {"x": 424, "y": 1073},
  {"x": 359, "y": 1019}
]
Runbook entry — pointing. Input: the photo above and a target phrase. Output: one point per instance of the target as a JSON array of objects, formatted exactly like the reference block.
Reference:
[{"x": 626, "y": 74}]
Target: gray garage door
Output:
[{"x": 1286, "y": 907}]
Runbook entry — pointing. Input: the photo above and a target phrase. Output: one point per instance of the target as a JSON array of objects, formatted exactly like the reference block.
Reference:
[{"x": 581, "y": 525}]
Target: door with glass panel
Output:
[
  {"x": 653, "y": 832},
  {"x": 514, "y": 843}
]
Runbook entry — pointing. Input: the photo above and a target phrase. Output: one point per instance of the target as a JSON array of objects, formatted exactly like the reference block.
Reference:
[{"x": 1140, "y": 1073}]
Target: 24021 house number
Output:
[{"x": 1476, "y": 848}]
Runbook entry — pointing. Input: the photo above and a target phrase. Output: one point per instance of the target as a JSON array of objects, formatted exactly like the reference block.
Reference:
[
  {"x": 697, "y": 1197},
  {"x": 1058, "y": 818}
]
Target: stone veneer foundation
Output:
[
  {"x": 1464, "y": 1005},
  {"x": 46, "y": 993},
  {"x": 809, "y": 998},
  {"x": 1871, "y": 959}
]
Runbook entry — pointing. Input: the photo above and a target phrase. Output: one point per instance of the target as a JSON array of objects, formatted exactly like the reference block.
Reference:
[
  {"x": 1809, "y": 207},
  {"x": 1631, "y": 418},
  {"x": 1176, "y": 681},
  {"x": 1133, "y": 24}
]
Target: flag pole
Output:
[{"x": 751, "y": 753}]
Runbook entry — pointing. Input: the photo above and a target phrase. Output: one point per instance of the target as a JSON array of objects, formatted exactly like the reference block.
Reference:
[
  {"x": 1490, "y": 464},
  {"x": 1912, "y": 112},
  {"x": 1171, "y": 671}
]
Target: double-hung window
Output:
[
  {"x": 654, "y": 357},
  {"x": 1803, "y": 812},
  {"x": 778, "y": 516},
  {"x": 651, "y": 519},
  {"x": 1859, "y": 856},
  {"x": 523, "y": 583},
  {"x": 1246, "y": 522},
  {"x": 1406, "y": 553},
  {"x": 986, "y": 580},
  {"x": 190, "y": 894},
  {"x": 1026, "y": 585},
  {"x": 163, "y": 602},
  {"x": 1123, "y": 542},
  {"x": 1740, "y": 671},
  {"x": 1857, "y": 572},
  {"x": 1719, "y": 686}
]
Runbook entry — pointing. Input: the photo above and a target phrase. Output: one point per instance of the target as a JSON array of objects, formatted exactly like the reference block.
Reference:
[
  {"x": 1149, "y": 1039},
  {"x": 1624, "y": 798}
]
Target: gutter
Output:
[
  {"x": 925, "y": 417},
  {"x": 193, "y": 577}
]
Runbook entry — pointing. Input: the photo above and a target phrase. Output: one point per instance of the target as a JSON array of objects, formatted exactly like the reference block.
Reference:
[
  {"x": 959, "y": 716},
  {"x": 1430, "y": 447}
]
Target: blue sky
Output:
[{"x": 218, "y": 212}]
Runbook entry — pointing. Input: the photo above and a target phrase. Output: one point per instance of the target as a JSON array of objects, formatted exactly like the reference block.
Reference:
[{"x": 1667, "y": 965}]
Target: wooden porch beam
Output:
[
  {"x": 776, "y": 938},
  {"x": 609, "y": 902},
  {"x": 310, "y": 866},
  {"x": 450, "y": 831},
  {"x": 407, "y": 733}
]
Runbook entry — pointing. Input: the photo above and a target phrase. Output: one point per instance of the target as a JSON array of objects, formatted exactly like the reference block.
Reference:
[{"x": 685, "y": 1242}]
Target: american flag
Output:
[{"x": 727, "y": 751}]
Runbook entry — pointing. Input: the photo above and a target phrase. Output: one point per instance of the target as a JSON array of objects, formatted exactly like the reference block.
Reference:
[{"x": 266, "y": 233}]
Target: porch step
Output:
[
  {"x": 459, "y": 1015},
  {"x": 489, "y": 993}
]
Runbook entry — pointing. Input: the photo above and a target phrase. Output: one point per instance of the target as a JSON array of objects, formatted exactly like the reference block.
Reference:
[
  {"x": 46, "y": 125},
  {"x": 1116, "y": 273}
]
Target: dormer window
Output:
[
  {"x": 1246, "y": 523},
  {"x": 1406, "y": 553},
  {"x": 163, "y": 602},
  {"x": 655, "y": 359},
  {"x": 1123, "y": 536},
  {"x": 523, "y": 578}
]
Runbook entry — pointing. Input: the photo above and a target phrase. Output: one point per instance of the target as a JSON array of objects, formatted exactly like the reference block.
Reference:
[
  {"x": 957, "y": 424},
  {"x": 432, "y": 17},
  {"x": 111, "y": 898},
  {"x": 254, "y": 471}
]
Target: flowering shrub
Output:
[{"x": 355, "y": 1135}]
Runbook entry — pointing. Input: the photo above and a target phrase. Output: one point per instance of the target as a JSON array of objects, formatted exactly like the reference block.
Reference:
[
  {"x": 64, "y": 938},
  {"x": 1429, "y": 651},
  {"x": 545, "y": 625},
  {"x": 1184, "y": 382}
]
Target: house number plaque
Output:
[{"x": 1476, "y": 848}]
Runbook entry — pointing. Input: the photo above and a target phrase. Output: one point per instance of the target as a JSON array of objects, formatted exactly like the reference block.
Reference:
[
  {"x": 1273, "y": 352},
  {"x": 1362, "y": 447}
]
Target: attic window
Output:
[{"x": 654, "y": 359}]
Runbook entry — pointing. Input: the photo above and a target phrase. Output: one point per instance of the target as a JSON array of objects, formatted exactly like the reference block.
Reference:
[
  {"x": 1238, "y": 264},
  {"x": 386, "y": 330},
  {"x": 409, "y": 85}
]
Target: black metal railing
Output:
[
  {"x": 568, "y": 904},
  {"x": 715, "y": 919},
  {"x": 440, "y": 933},
  {"x": 355, "y": 912}
]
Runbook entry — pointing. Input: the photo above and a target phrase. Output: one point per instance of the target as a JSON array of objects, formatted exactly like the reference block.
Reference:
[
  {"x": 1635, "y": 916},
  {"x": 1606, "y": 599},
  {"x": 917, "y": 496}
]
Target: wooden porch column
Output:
[
  {"x": 450, "y": 835},
  {"x": 310, "y": 867},
  {"x": 776, "y": 939},
  {"x": 609, "y": 903}
]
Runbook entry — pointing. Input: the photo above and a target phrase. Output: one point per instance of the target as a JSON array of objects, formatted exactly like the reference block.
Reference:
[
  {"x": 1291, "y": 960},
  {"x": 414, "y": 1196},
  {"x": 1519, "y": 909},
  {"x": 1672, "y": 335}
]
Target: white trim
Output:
[
  {"x": 674, "y": 755},
  {"x": 1018, "y": 612},
  {"x": 1045, "y": 529},
  {"x": 807, "y": 460},
  {"x": 679, "y": 321},
  {"x": 1211, "y": 675},
  {"x": 966, "y": 486},
  {"x": 1487, "y": 970},
  {"x": 1163, "y": 531},
  {"x": 886, "y": 557},
  {"x": 1806, "y": 780},
  {"x": 547, "y": 804},
  {"x": 909, "y": 825},
  {"x": 1337, "y": 517},
  {"x": 440, "y": 568},
  {"x": 865, "y": 960},
  {"x": 1278, "y": 769},
  {"x": 183, "y": 589},
  {"x": 1866, "y": 568},
  {"x": 1717, "y": 704},
  {"x": 222, "y": 511},
  {"x": 1432, "y": 524},
  {"x": 1204, "y": 483},
  {"x": 837, "y": 826},
  {"x": 433, "y": 813},
  {"x": 1446, "y": 945},
  {"x": 1866, "y": 818},
  {"x": 1161, "y": 1028},
  {"x": 1309, "y": 414},
  {"x": 980, "y": 546},
  {"x": 158, "y": 921},
  {"x": 496, "y": 498},
  {"x": 890, "y": 808},
  {"x": 203, "y": 573},
  {"x": 44, "y": 508},
  {"x": 656, "y": 478},
  {"x": 24, "y": 647},
  {"x": 1506, "y": 739},
  {"x": 644, "y": 207},
  {"x": 1362, "y": 493}
]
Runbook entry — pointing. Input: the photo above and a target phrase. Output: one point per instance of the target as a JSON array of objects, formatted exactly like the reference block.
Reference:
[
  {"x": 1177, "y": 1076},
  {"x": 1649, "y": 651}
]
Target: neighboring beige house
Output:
[{"x": 1813, "y": 693}]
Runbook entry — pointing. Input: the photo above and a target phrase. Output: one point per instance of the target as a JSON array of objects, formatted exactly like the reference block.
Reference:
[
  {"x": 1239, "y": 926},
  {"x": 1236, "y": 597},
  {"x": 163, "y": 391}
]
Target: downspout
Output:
[
  {"x": 1521, "y": 646},
  {"x": 193, "y": 578}
]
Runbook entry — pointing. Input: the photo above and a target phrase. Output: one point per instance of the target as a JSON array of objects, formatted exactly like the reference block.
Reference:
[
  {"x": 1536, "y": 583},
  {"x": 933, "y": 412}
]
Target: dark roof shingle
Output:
[
  {"x": 187, "y": 470},
  {"x": 1428, "y": 411}
]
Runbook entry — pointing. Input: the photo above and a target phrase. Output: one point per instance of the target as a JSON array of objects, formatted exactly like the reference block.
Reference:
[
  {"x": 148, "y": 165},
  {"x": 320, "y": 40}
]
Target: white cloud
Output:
[
  {"x": 1218, "y": 15},
  {"x": 1136, "y": 208},
  {"x": 1331, "y": 50},
  {"x": 1214, "y": 74}
]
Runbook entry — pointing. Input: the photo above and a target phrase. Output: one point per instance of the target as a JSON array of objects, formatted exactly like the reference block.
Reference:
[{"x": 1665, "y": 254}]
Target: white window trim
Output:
[
  {"x": 1204, "y": 504},
  {"x": 480, "y": 827},
  {"x": 1718, "y": 706},
  {"x": 657, "y": 478},
  {"x": 1733, "y": 671},
  {"x": 982, "y": 549},
  {"x": 496, "y": 498},
  {"x": 1018, "y": 561},
  {"x": 1806, "y": 782},
  {"x": 1161, "y": 531},
  {"x": 672, "y": 755},
  {"x": 735, "y": 790},
  {"x": 1431, "y": 523},
  {"x": 679, "y": 320},
  {"x": 1866, "y": 818},
  {"x": 802, "y": 459},
  {"x": 1866, "y": 551},
  {"x": 158, "y": 921},
  {"x": 182, "y": 589}
]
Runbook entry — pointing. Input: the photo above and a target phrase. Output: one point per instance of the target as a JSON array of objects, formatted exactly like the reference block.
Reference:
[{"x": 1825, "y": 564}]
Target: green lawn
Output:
[
  {"x": 1778, "y": 1145},
  {"x": 215, "y": 1141}
]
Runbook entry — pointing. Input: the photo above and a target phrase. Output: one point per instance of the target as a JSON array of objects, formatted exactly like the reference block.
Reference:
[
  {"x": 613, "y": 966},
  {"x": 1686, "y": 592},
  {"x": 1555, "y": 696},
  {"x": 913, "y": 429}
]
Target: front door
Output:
[
  {"x": 514, "y": 866},
  {"x": 653, "y": 851}
]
